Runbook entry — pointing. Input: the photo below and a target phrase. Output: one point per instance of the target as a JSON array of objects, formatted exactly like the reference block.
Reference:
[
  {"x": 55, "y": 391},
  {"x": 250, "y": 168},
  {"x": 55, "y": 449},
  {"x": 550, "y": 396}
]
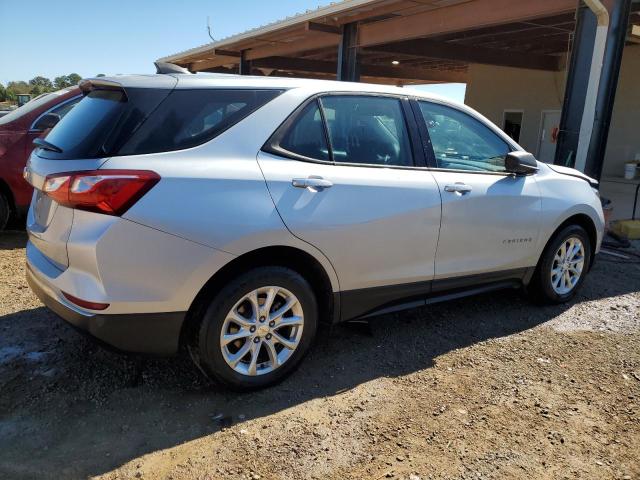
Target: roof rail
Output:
[{"x": 164, "y": 67}]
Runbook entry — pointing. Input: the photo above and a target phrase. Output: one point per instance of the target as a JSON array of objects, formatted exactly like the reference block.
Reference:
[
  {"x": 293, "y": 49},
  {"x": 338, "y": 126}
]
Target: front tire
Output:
[
  {"x": 257, "y": 329},
  {"x": 563, "y": 266}
]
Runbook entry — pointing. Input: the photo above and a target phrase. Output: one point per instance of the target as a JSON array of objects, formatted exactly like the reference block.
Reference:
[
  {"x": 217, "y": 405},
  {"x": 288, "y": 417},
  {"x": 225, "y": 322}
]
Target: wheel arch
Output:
[
  {"x": 583, "y": 220},
  {"x": 282, "y": 256}
]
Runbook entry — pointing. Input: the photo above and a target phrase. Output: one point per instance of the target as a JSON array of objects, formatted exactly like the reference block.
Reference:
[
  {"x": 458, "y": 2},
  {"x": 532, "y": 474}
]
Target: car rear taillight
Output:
[{"x": 111, "y": 192}]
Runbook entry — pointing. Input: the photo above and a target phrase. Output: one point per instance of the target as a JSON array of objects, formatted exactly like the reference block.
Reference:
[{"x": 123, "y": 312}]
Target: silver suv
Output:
[{"x": 232, "y": 215}]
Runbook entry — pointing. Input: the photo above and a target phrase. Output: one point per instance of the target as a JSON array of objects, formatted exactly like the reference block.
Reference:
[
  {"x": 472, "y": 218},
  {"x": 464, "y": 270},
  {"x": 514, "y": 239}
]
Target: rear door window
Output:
[
  {"x": 352, "y": 129},
  {"x": 368, "y": 130}
]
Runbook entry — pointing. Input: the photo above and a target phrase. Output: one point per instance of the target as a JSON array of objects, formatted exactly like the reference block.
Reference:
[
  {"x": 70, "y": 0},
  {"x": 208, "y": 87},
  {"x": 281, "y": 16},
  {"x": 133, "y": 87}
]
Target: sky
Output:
[{"x": 118, "y": 36}]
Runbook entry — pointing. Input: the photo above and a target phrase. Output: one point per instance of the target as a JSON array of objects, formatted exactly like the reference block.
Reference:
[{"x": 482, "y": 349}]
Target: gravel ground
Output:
[{"x": 484, "y": 387}]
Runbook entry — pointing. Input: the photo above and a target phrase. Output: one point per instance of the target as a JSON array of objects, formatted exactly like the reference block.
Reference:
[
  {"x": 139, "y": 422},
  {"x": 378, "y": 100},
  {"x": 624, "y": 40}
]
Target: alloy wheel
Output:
[
  {"x": 262, "y": 330},
  {"x": 567, "y": 266}
]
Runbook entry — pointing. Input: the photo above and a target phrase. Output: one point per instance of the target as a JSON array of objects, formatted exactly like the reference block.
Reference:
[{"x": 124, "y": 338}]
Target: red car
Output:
[{"x": 18, "y": 129}]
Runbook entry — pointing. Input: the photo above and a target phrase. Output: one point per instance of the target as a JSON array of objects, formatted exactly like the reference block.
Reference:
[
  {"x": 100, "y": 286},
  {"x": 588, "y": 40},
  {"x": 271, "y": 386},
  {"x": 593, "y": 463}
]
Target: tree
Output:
[
  {"x": 73, "y": 79},
  {"x": 101, "y": 75},
  {"x": 18, "y": 87},
  {"x": 42, "y": 83},
  {"x": 3, "y": 93},
  {"x": 65, "y": 81},
  {"x": 60, "y": 82}
]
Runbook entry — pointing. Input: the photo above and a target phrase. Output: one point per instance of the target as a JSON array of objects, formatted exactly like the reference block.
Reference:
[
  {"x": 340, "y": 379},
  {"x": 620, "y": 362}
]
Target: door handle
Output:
[
  {"x": 458, "y": 187},
  {"x": 314, "y": 184}
]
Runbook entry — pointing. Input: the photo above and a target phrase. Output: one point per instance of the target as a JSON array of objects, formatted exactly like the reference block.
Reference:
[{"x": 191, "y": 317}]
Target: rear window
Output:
[{"x": 112, "y": 123}]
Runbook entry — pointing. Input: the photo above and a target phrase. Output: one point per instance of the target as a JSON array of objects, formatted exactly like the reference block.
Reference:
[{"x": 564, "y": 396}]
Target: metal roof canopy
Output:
[{"x": 399, "y": 41}]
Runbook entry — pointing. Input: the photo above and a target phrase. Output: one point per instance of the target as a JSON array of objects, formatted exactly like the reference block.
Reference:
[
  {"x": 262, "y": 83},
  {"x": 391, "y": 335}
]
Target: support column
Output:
[
  {"x": 579, "y": 69},
  {"x": 245, "y": 65},
  {"x": 348, "y": 68},
  {"x": 616, "y": 38},
  {"x": 590, "y": 90}
]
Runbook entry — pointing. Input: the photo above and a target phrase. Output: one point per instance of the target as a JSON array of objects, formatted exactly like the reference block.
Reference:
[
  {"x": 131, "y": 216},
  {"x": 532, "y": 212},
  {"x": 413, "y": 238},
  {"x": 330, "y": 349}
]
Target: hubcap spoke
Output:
[
  {"x": 273, "y": 354},
  {"x": 234, "y": 359},
  {"x": 290, "y": 303},
  {"x": 255, "y": 305},
  {"x": 266, "y": 306},
  {"x": 255, "y": 351},
  {"x": 239, "y": 319},
  {"x": 232, "y": 337},
  {"x": 289, "y": 322},
  {"x": 286, "y": 342}
]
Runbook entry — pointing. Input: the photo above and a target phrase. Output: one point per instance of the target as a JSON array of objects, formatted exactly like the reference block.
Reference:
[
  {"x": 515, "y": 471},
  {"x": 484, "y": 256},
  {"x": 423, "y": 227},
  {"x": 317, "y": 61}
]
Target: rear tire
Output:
[
  {"x": 563, "y": 266},
  {"x": 5, "y": 211},
  {"x": 257, "y": 329}
]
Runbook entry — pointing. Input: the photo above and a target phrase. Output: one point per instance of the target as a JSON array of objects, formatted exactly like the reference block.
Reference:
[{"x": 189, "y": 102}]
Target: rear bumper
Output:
[{"x": 153, "y": 333}]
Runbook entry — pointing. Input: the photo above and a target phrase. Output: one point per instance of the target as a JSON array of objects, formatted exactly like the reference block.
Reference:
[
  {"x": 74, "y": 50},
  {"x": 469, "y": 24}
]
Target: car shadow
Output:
[{"x": 70, "y": 409}]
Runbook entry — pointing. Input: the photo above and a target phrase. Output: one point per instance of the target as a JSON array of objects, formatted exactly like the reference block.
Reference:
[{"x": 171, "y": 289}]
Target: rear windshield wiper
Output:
[{"x": 42, "y": 143}]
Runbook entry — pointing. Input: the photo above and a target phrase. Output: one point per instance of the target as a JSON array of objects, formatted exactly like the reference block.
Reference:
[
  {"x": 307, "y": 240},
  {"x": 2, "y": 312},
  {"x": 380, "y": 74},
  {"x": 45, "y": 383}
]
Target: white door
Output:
[
  {"x": 490, "y": 219},
  {"x": 548, "y": 135}
]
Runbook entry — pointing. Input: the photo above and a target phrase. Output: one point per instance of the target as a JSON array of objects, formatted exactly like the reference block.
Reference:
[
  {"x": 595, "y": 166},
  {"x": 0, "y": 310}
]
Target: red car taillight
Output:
[{"x": 111, "y": 192}]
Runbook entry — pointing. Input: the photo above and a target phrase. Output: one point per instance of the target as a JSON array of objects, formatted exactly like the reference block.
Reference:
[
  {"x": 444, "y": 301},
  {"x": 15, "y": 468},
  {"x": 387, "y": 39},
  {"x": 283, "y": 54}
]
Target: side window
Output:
[
  {"x": 306, "y": 135},
  {"x": 367, "y": 130},
  {"x": 62, "y": 110},
  {"x": 461, "y": 142}
]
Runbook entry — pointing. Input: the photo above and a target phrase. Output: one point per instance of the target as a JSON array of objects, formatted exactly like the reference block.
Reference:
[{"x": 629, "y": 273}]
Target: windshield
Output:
[{"x": 29, "y": 107}]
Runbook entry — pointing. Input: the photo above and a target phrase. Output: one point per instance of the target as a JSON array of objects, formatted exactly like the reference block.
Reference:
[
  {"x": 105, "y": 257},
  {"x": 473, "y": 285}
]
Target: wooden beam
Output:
[
  {"x": 322, "y": 27},
  {"x": 212, "y": 63},
  {"x": 295, "y": 64},
  {"x": 380, "y": 71},
  {"x": 463, "y": 53},
  {"x": 429, "y": 75},
  {"x": 288, "y": 48},
  {"x": 226, "y": 53},
  {"x": 468, "y": 15}
]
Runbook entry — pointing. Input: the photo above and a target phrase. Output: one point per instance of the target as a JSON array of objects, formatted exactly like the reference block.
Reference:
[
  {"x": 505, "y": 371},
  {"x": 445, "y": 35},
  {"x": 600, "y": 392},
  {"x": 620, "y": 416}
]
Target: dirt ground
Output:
[{"x": 485, "y": 387}]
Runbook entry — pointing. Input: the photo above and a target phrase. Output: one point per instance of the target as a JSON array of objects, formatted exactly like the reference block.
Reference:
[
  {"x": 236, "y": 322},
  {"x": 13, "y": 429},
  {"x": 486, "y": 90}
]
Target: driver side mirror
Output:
[
  {"x": 47, "y": 121},
  {"x": 520, "y": 163}
]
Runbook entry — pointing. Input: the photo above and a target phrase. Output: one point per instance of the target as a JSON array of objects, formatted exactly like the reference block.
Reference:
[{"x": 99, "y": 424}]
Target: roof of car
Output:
[{"x": 222, "y": 80}]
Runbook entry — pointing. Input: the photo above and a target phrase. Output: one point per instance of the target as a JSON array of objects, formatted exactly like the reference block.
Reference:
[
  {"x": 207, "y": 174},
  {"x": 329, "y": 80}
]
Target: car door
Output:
[
  {"x": 490, "y": 218},
  {"x": 344, "y": 174}
]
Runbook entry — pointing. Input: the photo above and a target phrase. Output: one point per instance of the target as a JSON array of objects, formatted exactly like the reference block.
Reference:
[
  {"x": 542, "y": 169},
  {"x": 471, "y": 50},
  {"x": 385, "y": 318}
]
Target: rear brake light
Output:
[{"x": 111, "y": 192}]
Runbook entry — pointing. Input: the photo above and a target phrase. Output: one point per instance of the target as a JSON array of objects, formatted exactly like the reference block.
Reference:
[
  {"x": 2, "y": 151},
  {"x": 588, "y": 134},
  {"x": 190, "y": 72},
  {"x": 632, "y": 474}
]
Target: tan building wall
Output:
[
  {"x": 492, "y": 90},
  {"x": 624, "y": 135}
]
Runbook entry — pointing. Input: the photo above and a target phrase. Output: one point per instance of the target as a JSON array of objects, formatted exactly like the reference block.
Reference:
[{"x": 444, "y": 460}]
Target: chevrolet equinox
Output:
[{"x": 232, "y": 215}]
